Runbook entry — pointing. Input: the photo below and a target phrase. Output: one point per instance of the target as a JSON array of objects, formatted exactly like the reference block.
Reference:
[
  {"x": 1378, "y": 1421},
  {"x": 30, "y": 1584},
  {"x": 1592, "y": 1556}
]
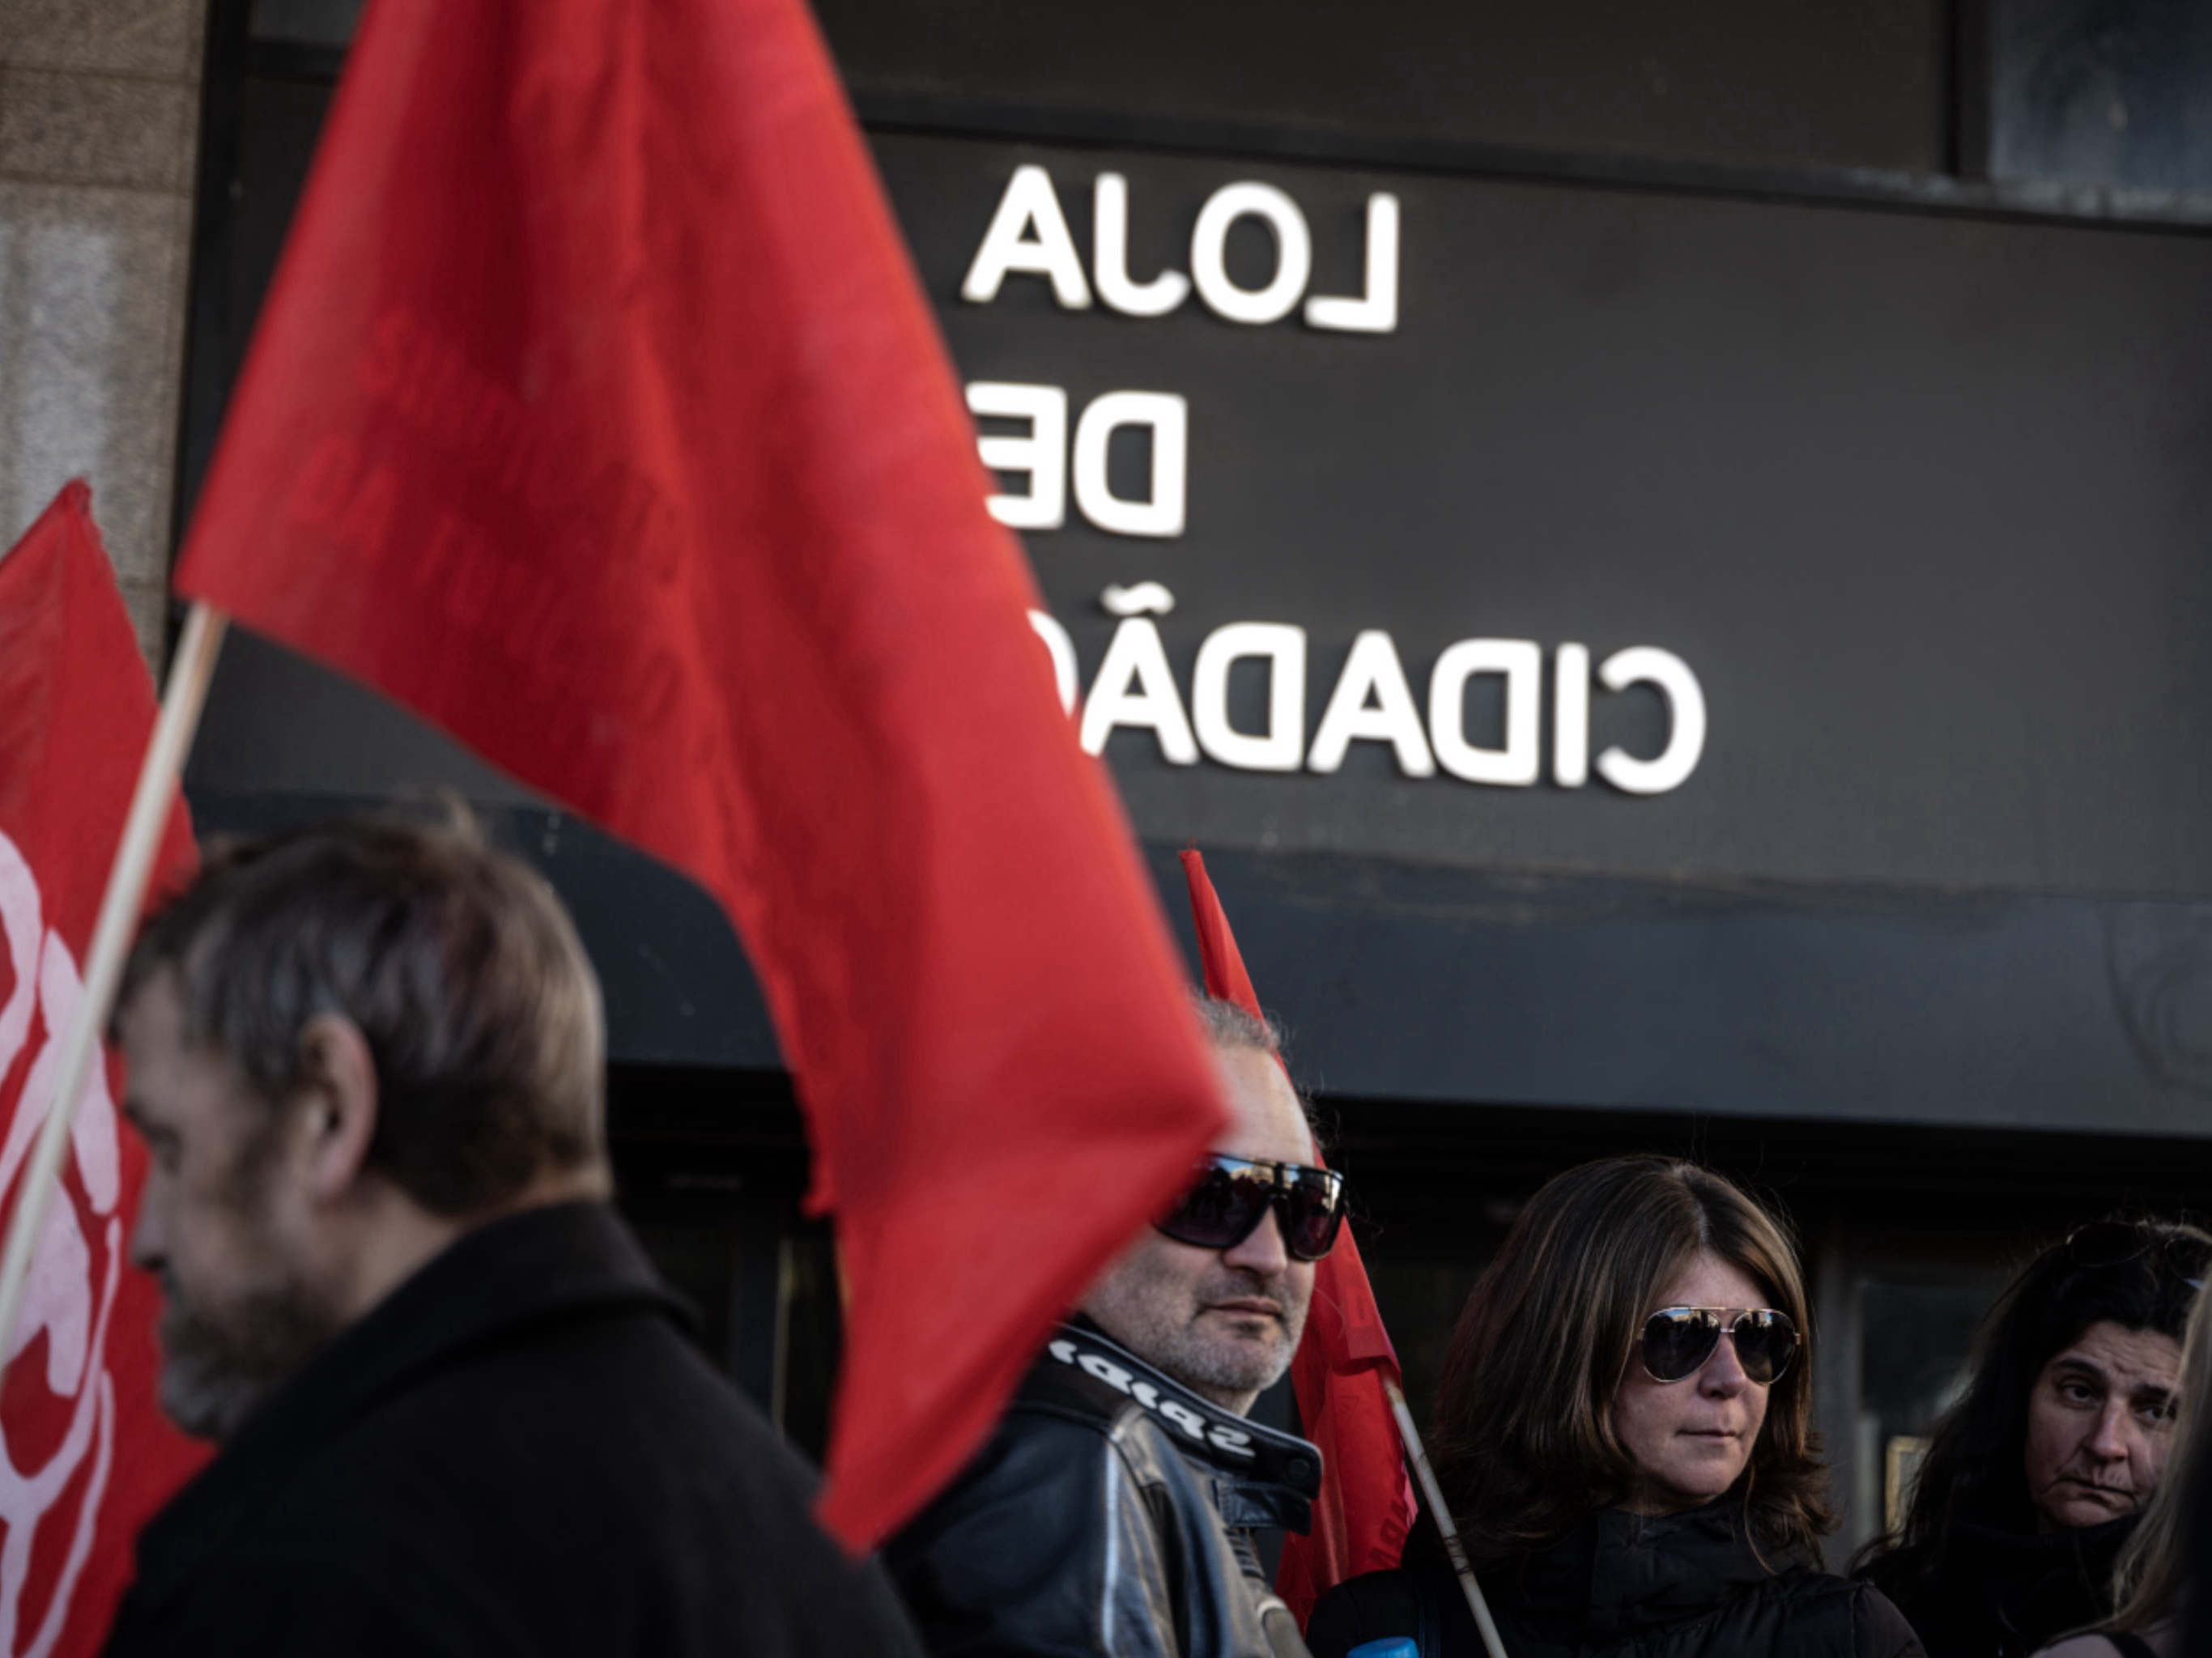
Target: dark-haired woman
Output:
[
  {"x": 1623, "y": 1435},
  {"x": 2156, "y": 1578},
  {"x": 2034, "y": 1481}
]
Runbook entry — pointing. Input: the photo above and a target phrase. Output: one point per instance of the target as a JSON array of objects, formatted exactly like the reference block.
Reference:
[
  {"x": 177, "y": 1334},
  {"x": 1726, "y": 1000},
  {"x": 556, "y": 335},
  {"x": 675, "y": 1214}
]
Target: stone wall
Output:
[{"x": 98, "y": 127}]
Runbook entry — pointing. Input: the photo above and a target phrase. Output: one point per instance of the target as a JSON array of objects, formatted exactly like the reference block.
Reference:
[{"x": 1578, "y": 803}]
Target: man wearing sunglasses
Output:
[{"x": 1111, "y": 1512}]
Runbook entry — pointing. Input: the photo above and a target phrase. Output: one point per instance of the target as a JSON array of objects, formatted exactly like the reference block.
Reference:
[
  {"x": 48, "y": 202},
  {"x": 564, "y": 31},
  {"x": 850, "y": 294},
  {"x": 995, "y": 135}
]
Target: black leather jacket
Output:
[
  {"x": 1687, "y": 1586},
  {"x": 1109, "y": 1514}
]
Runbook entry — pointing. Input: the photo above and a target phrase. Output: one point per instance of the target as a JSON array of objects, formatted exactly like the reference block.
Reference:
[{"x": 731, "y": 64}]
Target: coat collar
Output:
[
  {"x": 1616, "y": 1573},
  {"x": 1258, "y": 1477},
  {"x": 544, "y": 1264},
  {"x": 2033, "y": 1584}
]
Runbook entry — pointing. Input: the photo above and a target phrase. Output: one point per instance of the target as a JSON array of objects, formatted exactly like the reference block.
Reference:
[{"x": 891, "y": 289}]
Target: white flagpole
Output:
[
  {"x": 1419, "y": 1458},
  {"x": 189, "y": 674}
]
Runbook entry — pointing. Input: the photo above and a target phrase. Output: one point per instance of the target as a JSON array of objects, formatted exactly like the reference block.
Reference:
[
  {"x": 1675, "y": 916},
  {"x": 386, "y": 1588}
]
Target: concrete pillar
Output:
[{"x": 99, "y": 131}]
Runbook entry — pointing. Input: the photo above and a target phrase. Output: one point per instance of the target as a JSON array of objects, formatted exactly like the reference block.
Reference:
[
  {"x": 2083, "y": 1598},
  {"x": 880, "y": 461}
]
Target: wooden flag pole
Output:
[
  {"x": 189, "y": 674},
  {"x": 1434, "y": 1495}
]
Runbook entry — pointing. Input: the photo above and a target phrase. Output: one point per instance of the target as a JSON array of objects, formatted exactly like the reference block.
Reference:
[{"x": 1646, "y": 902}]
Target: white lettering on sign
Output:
[
  {"x": 1135, "y": 688},
  {"x": 1372, "y": 701},
  {"x": 1110, "y": 257},
  {"x": 1647, "y": 664},
  {"x": 1521, "y": 663},
  {"x": 1209, "y": 253},
  {"x": 1376, "y": 311},
  {"x": 1281, "y": 746},
  {"x": 1029, "y": 232},
  {"x": 1570, "y": 716},
  {"x": 1029, "y": 235},
  {"x": 1061, "y": 649},
  {"x": 1040, "y": 457},
  {"x": 1168, "y": 418}
]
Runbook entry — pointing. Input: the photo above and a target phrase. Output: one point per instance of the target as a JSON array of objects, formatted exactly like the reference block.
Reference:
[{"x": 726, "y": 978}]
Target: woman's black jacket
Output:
[
  {"x": 1999, "y": 1593},
  {"x": 1619, "y": 1585}
]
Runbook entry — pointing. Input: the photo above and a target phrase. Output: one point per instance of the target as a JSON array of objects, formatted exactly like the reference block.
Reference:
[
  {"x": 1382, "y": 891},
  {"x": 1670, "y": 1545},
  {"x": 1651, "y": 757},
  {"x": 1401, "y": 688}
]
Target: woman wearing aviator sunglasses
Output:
[{"x": 1623, "y": 1431}]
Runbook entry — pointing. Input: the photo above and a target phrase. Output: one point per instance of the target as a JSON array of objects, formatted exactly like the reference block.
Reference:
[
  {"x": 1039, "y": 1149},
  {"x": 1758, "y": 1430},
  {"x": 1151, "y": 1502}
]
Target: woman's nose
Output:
[
  {"x": 2109, "y": 1442},
  {"x": 1723, "y": 1372}
]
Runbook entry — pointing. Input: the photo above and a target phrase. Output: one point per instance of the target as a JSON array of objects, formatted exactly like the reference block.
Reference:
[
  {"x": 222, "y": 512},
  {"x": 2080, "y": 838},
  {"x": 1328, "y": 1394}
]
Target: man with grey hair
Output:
[
  {"x": 1111, "y": 1511},
  {"x": 455, "y": 1409}
]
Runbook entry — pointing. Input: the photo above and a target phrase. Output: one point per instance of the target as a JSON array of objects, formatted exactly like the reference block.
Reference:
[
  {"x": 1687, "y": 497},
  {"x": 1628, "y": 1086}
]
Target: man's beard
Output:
[
  {"x": 1169, "y": 1337},
  {"x": 220, "y": 1362}
]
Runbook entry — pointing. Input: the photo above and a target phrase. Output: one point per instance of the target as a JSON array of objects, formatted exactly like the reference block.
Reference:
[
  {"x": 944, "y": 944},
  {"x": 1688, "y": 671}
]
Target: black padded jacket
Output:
[
  {"x": 517, "y": 1454},
  {"x": 1108, "y": 1515},
  {"x": 2002, "y": 1593},
  {"x": 1618, "y": 1586}
]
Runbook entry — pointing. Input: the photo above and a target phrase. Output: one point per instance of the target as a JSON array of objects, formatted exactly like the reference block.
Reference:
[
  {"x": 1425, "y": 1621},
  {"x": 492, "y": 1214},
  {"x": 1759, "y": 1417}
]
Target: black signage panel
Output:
[
  {"x": 1839, "y": 87},
  {"x": 1912, "y": 502},
  {"x": 1917, "y": 504}
]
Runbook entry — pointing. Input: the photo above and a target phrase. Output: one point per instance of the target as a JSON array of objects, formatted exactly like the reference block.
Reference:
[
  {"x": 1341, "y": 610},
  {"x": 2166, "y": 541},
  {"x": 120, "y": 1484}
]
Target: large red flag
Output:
[
  {"x": 1366, "y": 1502},
  {"x": 595, "y": 412},
  {"x": 85, "y": 1453}
]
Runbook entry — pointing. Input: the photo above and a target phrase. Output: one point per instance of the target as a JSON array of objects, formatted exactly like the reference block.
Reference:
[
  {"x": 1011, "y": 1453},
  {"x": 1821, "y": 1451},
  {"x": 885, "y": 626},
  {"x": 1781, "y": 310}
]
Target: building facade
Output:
[{"x": 1660, "y": 551}]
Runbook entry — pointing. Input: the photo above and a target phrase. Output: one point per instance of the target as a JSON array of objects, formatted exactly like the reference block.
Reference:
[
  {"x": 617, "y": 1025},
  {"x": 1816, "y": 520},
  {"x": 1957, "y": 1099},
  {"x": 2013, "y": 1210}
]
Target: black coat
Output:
[
  {"x": 1106, "y": 1518},
  {"x": 2004, "y": 1593},
  {"x": 517, "y": 1452},
  {"x": 1688, "y": 1586}
]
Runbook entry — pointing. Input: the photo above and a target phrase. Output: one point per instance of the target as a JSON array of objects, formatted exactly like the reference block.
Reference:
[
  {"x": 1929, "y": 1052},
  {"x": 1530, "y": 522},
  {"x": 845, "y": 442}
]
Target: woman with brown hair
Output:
[{"x": 1623, "y": 1434}]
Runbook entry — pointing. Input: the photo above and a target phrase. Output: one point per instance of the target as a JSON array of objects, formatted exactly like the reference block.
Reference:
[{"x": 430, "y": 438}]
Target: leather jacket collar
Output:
[{"x": 1257, "y": 1476}]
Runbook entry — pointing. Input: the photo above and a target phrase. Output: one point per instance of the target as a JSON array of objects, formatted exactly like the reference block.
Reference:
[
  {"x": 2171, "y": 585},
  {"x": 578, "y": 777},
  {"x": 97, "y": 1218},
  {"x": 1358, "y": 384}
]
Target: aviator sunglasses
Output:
[
  {"x": 1233, "y": 1195},
  {"x": 1678, "y": 1340}
]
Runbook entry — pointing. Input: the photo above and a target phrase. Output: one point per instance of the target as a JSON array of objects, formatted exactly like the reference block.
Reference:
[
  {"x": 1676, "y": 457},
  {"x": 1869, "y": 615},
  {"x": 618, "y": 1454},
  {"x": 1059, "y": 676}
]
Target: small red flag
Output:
[
  {"x": 1366, "y": 1502},
  {"x": 595, "y": 413},
  {"x": 85, "y": 1453}
]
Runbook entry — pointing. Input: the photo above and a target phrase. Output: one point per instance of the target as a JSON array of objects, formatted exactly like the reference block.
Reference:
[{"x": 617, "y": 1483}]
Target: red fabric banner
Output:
[
  {"x": 86, "y": 1455},
  {"x": 596, "y": 414},
  {"x": 1366, "y": 1504}
]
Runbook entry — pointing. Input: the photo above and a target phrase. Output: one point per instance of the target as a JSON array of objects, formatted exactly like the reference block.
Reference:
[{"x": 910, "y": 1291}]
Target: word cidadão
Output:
[{"x": 1136, "y": 689}]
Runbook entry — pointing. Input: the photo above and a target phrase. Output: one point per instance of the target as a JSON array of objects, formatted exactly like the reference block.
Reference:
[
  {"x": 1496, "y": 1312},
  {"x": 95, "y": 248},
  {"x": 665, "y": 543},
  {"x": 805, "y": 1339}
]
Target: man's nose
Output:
[{"x": 1262, "y": 1251}]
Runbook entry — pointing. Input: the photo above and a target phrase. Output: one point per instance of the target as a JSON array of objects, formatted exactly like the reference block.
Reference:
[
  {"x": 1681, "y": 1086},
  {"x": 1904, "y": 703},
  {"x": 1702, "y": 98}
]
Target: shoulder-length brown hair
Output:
[{"x": 1524, "y": 1438}]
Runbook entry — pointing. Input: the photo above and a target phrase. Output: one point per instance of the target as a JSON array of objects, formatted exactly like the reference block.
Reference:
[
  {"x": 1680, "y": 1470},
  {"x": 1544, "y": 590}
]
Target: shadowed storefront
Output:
[{"x": 1660, "y": 557}]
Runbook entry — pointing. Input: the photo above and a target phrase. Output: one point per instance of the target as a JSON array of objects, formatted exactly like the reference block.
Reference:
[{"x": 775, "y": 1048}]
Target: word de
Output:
[
  {"x": 1029, "y": 234},
  {"x": 1042, "y": 456}
]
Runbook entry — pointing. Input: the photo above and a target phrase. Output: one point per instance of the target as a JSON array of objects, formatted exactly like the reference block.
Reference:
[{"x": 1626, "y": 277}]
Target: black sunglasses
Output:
[
  {"x": 1678, "y": 1340},
  {"x": 1233, "y": 1195},
  {"x": 2116, "y": 1243}
]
